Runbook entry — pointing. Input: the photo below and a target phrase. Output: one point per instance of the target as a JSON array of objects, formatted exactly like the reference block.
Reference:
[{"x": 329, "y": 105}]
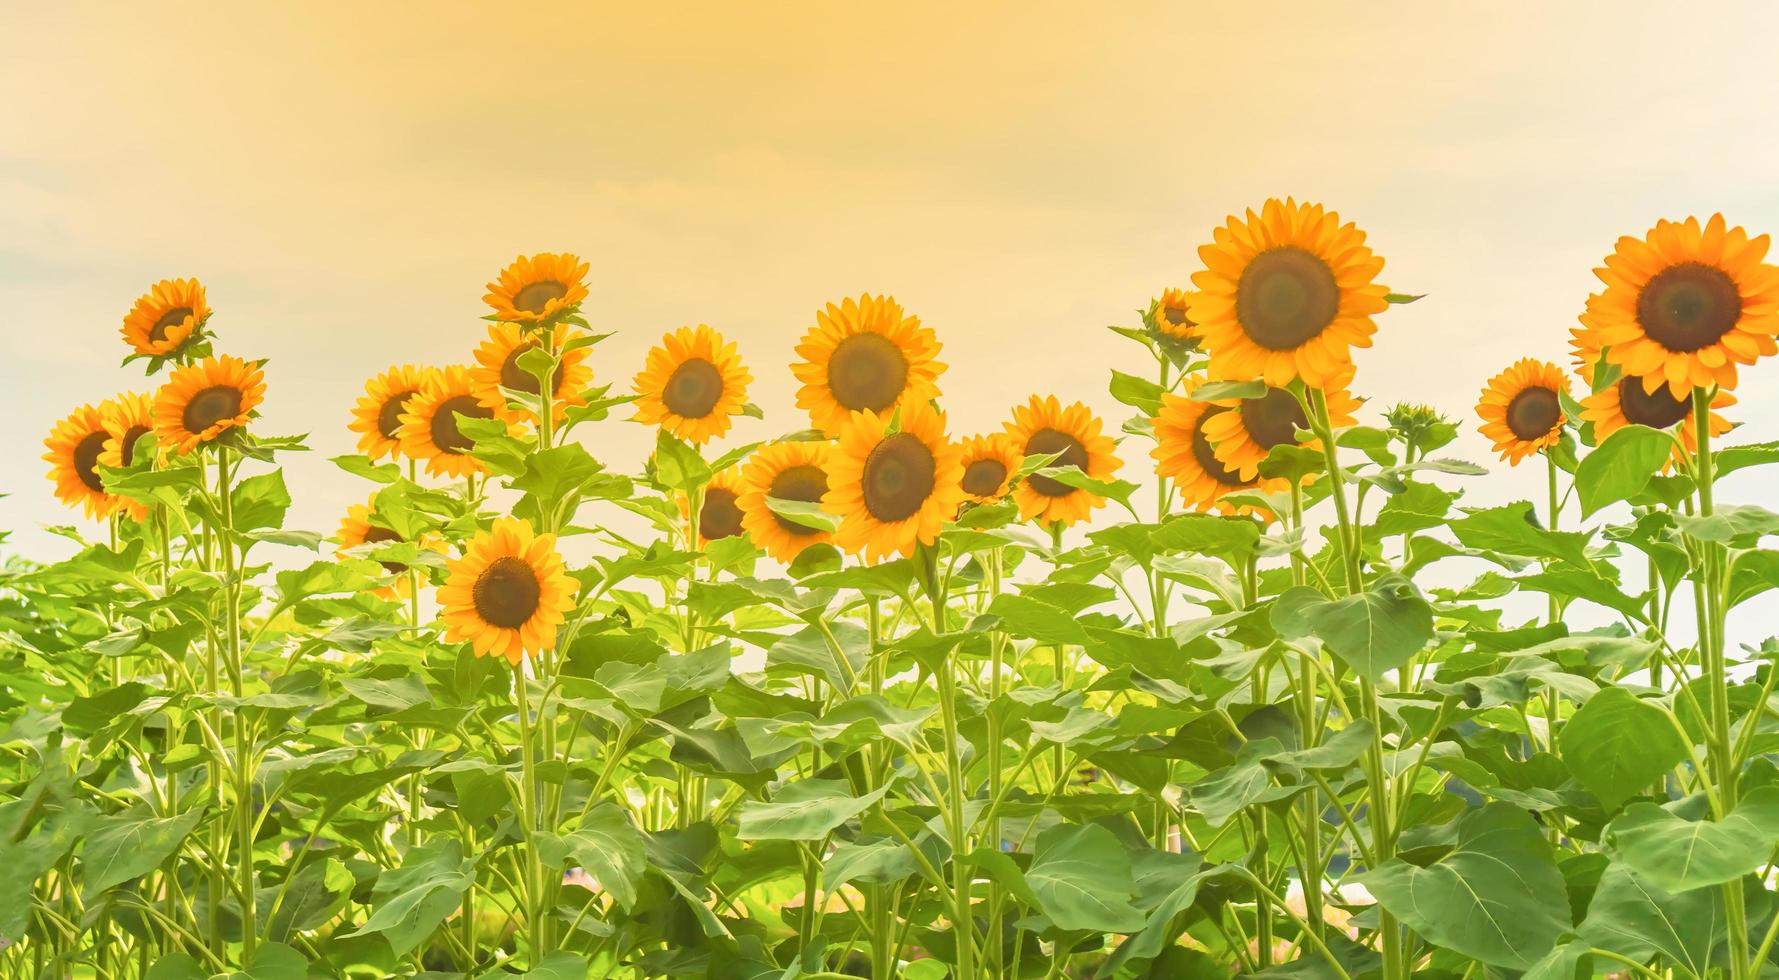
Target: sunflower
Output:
[
  {"x": 719, "y": 512},
  {"x": 1044, "y": 427},
  {"x": 1522, "y": 408},
  {"x": 497, "y": 367},
  {"x": 692, "y": 385},
  {"x": 864, "y": 355},
  {"x": 1286, "y": 294},
  {"x": 1685, "y": 304},
  {"x": 1246, "y": 435},
  {"x": 356, "y": 528},
  {"x": 1628, "y": 402},
  {"x": 538, "y": 289},
  {"x": 1170, "y": 317},
  {"x": 508, "y": 593},
  {"x": 990, "y": 463},
  {"x": 75, "y": 445},
  {"x": 1183, "y": 453},
  {"x": 788, "y": 471},
  {"x": 126, "y": 418},
  {"x": 893, "y": 488},
  {"x": 202, "y": 401},
  {"x": 163, "y": 319},
  {"x": 378, "y": 415},
  {"x": 429, "y": 423},
  {"x": 1584, "y": 341}
]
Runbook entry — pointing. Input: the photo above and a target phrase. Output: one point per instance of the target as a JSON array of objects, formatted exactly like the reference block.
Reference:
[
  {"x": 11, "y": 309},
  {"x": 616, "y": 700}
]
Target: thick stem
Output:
[{"x": 243, "y": 737}]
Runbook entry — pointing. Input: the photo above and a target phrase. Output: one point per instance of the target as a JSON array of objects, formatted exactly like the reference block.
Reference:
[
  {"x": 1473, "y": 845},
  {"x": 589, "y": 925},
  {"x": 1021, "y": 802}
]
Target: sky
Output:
[{"x": 344, "y": 178}]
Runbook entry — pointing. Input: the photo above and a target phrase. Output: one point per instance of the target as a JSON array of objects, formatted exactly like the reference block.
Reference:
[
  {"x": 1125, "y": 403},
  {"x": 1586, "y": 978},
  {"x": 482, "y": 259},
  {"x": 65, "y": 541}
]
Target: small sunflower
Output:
[
  {"x": 429, "y": 423},
  {"x": 1183, "y": 453},
  {"x": 896, "y": 488},
  {"x": 719, "y": 512},
  {"x": 1627, "y": 402},
  {"x": 1686, "y": 303},
  {"x": 357, "y": 528},
  {"x": 1244, "y": 436},
  {"x": 693, "y": 384},
  {"x": 864, "y": 356},
  {"x": 166, "y": 317},
  {"x": 788, "y": 471},
  {"x": 1522, "y": 408},
  {"x": 538, "y": 289},
  {"x": 1044, "y": 427},
  {"x": 1287, "y": 294},
  {"x": 202, "y": 401},
  {"x": 508, "y": 593},
  {"x": 75, "y": 445},
  {"x": 1171, "y": 317},
  {"x": 378, "y": 415},
  {"x": 126, "y": 418},
  {"x": 990, "y": 463},
  {"x": 497, "y": 367}
]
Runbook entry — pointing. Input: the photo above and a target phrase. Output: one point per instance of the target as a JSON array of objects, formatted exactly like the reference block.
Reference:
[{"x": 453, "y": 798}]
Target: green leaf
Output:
[
  {"x": 608, "y": 847},
  {"x": 1376, "y": 630},
  {"x": 804, "y": 513},
  {"x": 1037, "y": 620},
  {"x": 1513, "y": 529},
  {"x": 1216, "y": 391},
  {"x": 130, "y": 845},
  {"x": 260, "y": 501},
  {"x": 1633, "y": 917},
  {"x": 1678, "y": 855},
  {"x": 808, "y": 809},
  {"x": 411, "y": 901},
  {"x": 1138, "y": 393},
  {"x": 1082, "y": 878},
  {"x": 1618, "y": 744},
  {"x": 1621, "y": 466},
  {"x": 552, "y": 474},
  {"x": 678, "y": 466}
]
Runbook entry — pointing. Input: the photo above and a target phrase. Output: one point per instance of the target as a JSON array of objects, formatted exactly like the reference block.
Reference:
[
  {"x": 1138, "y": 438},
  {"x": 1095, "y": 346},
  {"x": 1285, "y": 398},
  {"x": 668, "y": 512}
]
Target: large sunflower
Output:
[
  {"x": 1627, "y": 402},
  {"x": 1184, "y": 453},
  {"x": 990, "y": 463},
  {"x": 1171, "y": 317},
  {"x": 893, "y": 488},
  {"x": 166, "y": 317},
  {"x": 1685, "y": 304},
  {"x": 497, "y": 367},
  {"x": 864, "y": 356},
  {"x": 429, "y": 423},
  {"x": 357, "y": 528},
  {"x": 1244, "y": 436},
  {"x": 719, "y": 512},
  {"x": 692, "y": 385},
  {"x": 788, "y": 471},
  {"x": 508, "y": 593},
  {"x": 1287, "y": 294},
  {"x": 75, "y": 445},
  {"x": 202, "y": 401},
  {"x": 538, "y": 289},
  {"x": 1043, "y": 427},
  {"x": 378, "y": 415},
  {"x": 1522, "y": 408},
  {"x": 126, "y": 418}
]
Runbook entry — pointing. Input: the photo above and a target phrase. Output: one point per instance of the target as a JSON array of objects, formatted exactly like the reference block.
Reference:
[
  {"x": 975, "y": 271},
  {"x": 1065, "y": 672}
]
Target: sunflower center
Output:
[
  {"x": 1175, "y": 315},
  {"x": 537, "y": 296},
  {"x": 1286, "y": 296},
  {"x": 375, "y": 534},
  {"x": 898, "y": 477},
  {"x": 170, "y": 319},
  {"x": 506, "y": 593},
  {"x": 1274, "y": 419},
  {"x": 693, "y": 389},
  {"x": 806, "y": 484},
  {"x": 445, "y": 433},
  {"x": 983, "y": 477},
  {"x": 1206, "y": 454},
  {"x": 1657, "y": 409},
  {"x": 1533, "y": 413},
  {"x": 1689, "y": 306},
  {"x": 389, "y": 417},
  {"x": 719, "y": 517},
  {"x": 518, "y": 379},
  {"x": 86, "y": 460},
  {"x": 211, "y": 406},
  {"x": 867, "y": 372},
  {"x": 1069, "y": 452},
  {"x": 128, "y": 448}
]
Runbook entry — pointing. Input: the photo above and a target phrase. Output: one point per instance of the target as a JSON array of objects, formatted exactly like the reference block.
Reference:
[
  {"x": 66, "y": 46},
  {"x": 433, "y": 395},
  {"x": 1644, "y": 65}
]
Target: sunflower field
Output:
[{"x": 1236, "y": 684}]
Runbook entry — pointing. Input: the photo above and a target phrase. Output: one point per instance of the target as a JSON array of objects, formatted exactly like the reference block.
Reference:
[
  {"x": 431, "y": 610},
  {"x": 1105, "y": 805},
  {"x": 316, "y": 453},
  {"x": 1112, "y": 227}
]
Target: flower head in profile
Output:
[
  {"x": 126, "y": 418},
  {"x": 538, "y": 289},
  {"x": 1628, "y": 402},
  {"x": 1185, "y": 454},
  {"x": 74, "y": 447},
  {"x": 166, "y": 318}
]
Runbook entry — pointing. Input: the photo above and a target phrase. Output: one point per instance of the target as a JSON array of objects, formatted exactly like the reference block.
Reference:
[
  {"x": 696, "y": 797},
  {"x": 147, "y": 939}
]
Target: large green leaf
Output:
[
  {"x": 1634, "y": 918},
  {"x": 1376, "y": 630},
  {"x": 1618, "y": 744},
  {"x": 1081, "y": 876},
  {"x": 607, "y": 846},
  {"x": 809, "y": 810},
  {"x": 411, "y": 901},
  {"x": 1621, "y": 466},
  {"x": 130, "y": 845},
  {"x": 1678, "y": 855}
]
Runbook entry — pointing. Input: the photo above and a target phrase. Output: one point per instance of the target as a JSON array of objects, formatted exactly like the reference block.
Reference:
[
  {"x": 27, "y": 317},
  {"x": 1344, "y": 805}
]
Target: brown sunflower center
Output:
[
  {"x": 170, "y": 319},
  {"x": 445, "y": 433},
  {"x": 801, "y": 483},
  {"x": 128, "y": 442},
  {"x": 537, "y": 296},
  {"x": 1285, "y": 297},
  {"x": 1533, "y": 413},
  {"x": 898, "y": 477},
  {"x": 719, "y": 517},
  {"x": 1175, "y": 315},
  {"x": 1689, "y": 306},
  {"x": 1657, "y": 409},
  {"x": 867, "y": 372},
  {"x": 983, "y": 477},
  {"x": 210, "y": 406},
  {"x": 1274, "y": 419},
  {"x": 506, "y": 593},
  {"x": 375, "y": 534},
  {"x": 86, "y": 460},
  {"x": 1069, "y": 452},
  {"x": 518, "y": 379},
  {"x": 389, "y": 417},
  {"x": 1206, "y": 454},
  {"x": 693, "y": 389}
]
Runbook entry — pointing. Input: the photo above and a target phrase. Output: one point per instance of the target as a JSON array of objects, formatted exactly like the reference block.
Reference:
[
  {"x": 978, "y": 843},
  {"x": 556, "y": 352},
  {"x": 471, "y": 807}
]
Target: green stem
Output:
[{"x": 243, "y": 736}]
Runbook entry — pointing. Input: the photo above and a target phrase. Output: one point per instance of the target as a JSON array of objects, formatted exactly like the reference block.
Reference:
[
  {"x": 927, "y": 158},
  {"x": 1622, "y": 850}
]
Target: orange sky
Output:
[{"x": 344, "y": 177}]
